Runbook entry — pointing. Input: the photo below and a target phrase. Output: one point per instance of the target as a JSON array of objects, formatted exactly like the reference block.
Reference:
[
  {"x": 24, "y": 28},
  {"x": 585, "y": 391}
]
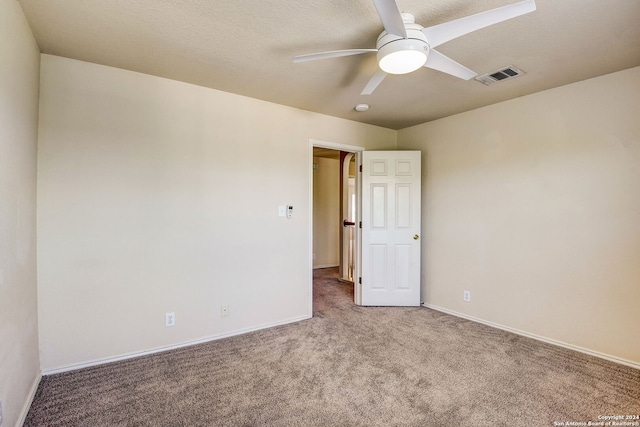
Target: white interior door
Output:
[{"x": 390, "y": 272}]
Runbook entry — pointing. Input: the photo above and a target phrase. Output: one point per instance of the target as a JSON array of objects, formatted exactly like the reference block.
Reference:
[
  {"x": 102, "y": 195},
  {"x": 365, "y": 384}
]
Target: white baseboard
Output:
[
  {"x": 615, "y": 359},
  {"x": 29, "y": 401},
  {"x": 126, "y": 356},
  {"x": 325, "y": 266}
]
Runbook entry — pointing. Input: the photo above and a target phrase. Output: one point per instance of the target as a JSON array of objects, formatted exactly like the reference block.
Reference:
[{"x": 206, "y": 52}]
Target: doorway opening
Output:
[{"x": 335, "y": 212}]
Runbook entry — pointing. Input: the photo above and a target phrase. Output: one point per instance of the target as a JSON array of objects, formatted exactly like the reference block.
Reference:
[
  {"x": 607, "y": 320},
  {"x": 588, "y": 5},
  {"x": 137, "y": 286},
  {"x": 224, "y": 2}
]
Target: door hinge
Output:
[
  {"x": 360, "y": 280},
  {"x": 360, "y": 168},
  {"x": 360, "y": 224}
]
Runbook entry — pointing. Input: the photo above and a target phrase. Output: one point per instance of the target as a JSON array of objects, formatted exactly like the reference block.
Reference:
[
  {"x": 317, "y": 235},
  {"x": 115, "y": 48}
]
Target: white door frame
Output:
[
  {"x": 340, "y": 147},
  {"x": 345, "y": 244}
]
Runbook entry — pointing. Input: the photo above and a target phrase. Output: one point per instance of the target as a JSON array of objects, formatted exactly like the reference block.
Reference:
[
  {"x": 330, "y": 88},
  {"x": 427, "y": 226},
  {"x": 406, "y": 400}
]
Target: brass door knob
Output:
[{"x": 416, "y": 237}]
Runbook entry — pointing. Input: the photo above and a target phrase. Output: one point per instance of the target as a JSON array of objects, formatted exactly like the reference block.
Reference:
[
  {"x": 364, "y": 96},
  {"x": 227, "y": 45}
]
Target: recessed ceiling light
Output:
[{"x": 362, "y": 107}]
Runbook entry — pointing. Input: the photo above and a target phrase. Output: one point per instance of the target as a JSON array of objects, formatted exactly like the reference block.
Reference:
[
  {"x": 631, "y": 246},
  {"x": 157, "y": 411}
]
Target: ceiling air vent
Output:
[{"x": 500, "y": 75}]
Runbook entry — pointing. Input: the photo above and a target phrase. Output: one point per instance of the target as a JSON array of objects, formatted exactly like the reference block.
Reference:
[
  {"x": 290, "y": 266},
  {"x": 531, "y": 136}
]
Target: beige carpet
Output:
[{"x": 348, "y": 366}]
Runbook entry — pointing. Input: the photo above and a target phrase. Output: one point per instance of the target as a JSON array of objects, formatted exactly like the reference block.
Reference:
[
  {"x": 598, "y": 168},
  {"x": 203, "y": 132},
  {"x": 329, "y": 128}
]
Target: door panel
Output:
[
  {"x": 379, "y": 206},
  {"x": 391, "y": 228}
]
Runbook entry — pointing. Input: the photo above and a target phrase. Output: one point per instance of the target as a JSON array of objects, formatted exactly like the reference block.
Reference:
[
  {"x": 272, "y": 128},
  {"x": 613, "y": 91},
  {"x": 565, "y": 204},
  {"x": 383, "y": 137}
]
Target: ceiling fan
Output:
[{"x": 405, "y": 46}]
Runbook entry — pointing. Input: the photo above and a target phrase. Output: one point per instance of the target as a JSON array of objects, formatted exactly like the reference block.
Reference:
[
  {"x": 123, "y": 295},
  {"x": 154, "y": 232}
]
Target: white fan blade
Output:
[
  {"x": 375, "y": 80},
  {"x": 391, "y": 17},
  {"x": 330, "y": 54},
  {"x": 440, "y": 62},
  {"x": 442, "y": 33}
]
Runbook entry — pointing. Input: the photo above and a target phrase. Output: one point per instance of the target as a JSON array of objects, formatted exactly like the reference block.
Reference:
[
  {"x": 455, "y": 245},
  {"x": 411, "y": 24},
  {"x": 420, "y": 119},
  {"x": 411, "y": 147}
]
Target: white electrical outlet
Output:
[
  {"x": 466, "y": 296},
  {"x": 170, "y": 319},
  {"x": 224, "y": 311}
]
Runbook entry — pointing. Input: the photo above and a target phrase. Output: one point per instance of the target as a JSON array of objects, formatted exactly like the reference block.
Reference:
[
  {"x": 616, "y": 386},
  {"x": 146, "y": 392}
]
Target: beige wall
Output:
[
  {"x": 19, "y": 69},
  {"x": 326, "y": 212},
  {"x": 157, "y": 196},
  {"x": 534, "y": 206}
]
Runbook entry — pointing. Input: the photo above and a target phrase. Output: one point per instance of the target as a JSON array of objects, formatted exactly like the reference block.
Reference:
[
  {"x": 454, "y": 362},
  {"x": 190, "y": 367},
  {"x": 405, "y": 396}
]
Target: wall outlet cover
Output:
[
  {"x": 466, "y": 296},
  {"x": 169, "y": 319}
]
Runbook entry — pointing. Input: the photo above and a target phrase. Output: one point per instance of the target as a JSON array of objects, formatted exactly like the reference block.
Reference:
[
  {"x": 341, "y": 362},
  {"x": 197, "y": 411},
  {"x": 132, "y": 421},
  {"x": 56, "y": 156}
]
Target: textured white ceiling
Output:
[{"x": 246, "y": 46}]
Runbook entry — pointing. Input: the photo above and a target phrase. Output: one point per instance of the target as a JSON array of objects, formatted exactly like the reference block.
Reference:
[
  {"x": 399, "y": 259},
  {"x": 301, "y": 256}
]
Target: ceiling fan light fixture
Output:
[{"x": 402, "y": 56}]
